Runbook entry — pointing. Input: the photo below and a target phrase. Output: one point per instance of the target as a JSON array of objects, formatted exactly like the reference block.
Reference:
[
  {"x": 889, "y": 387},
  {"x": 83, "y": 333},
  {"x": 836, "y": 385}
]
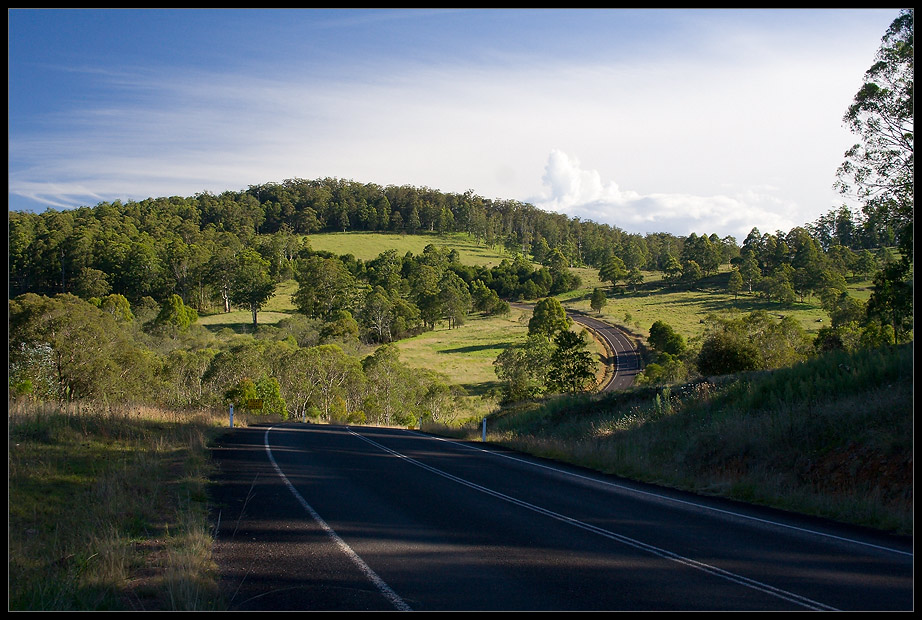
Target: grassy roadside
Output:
[{"x": 107, "y": 508}]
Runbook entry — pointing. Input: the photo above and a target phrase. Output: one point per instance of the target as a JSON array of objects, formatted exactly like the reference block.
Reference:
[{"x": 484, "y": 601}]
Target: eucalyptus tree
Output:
[
  {"x": 599, "y": 300},
  {"x": 174, "y": 318},
  {"x": 386, "y": 394},
  {"x": 572, "y": 366},
  {"x": 252, "y": 285},
  {"x": 523, "y": 368},
  {"x": 325, "y": 286},
  {"x": 735, "y": 283},
  {"x": 69, "y": 349},
  {"x": 612, "y": 270},
  {"x": 548, "y": 318},
  {"x": 664, "y": 339},
  {"x": 879, "y": 169},
  {"x": 377, "y": 315},
  {"x": 454, "y": 298},
  {"x": 335, "y": 375}
]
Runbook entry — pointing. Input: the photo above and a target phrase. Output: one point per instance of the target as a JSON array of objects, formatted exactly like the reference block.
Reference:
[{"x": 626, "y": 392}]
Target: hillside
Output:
[{"x": 466, "y": 354}]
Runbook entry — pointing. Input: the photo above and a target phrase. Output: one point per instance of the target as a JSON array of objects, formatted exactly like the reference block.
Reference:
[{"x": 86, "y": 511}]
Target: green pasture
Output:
[
  {"x": 465, "y": 354},
  {"x": 685, "y": 308},
  {"x": 239, "y": 320},
  {"x": 367, "y": 245}
]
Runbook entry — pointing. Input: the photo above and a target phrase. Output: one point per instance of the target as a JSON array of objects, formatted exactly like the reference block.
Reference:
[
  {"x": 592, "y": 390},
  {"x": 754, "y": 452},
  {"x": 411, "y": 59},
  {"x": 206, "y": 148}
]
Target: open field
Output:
[
  {"x": 465, "y": 354},
  {"x": 367, "y": 246},
  {"x": 241, "y": 321},
  {"x": 682, "y": 308},
  {"x": 685, "y": 309}
]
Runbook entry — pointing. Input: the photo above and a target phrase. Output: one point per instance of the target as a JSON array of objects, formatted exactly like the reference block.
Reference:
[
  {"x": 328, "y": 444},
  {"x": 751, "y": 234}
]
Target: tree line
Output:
[
  {"x": 186, "y": 245},
  {"x": 66, "y": 348},
  {"x": 169, "y": 258}
]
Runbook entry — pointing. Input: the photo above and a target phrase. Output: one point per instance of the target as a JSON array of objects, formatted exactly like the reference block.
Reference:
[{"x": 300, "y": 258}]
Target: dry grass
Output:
[{"x": 108, "y": 508}]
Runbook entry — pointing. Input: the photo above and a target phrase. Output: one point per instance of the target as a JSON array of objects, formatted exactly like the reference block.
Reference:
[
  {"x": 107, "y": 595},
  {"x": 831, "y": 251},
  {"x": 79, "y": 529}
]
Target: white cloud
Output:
[
  {"x": 582, "y": 193},
  {"x": 719, "y": 145}
]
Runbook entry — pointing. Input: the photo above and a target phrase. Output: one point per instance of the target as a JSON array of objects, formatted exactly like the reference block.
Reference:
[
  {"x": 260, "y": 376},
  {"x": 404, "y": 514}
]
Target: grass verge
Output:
[{"x": 108, "y": 508}]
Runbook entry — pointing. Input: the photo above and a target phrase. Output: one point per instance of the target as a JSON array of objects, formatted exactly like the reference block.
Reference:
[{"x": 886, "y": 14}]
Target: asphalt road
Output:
[
  {"x": 624, "y": 360},
  {"x": 317, "y": 517}
]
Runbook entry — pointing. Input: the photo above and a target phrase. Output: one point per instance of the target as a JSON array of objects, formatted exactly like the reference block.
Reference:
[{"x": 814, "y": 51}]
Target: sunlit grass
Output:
[
  {"x": 368, "y": 245},
  {"x": 685, "y": 309},
  {"x": 465, "y": 355}
]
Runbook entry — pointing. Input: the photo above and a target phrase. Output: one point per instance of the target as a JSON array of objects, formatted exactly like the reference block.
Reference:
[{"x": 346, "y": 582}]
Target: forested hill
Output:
[
  {"x": 175, "y": 245},
  {"x": 132, "y": 278}
]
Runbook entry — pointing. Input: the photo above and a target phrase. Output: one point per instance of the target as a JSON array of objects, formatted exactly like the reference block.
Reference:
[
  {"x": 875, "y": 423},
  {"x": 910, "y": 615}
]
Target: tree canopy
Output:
[{"x": 879, "y": 169}]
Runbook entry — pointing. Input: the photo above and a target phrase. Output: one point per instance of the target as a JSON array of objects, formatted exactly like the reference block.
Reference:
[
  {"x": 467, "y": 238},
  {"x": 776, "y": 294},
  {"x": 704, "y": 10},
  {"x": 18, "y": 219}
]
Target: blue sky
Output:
[{"x": 706, "y": 121}]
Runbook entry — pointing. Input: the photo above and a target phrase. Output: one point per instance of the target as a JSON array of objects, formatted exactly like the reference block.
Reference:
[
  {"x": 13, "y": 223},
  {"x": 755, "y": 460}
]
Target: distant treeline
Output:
[{"x": 159, "y": 247}]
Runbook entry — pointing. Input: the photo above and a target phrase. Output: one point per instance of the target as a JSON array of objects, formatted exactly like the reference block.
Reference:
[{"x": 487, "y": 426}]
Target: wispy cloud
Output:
[{"x": 714, "y": 144}]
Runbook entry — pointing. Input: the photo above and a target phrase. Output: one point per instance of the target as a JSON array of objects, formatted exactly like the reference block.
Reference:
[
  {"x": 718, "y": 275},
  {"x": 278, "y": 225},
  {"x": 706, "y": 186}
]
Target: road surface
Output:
[
  {"x": 625, "y": 359},
  {"x": 323, "y": 517}
]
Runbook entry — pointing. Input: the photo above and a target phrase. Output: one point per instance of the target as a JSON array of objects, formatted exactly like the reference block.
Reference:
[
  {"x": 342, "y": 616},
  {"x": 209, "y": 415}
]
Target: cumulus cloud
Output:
[{"x": 579, "y": 192}]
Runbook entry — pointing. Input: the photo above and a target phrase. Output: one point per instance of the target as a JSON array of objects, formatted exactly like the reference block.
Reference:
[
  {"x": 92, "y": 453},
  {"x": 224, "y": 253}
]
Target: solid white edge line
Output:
[
  {"x": 673, "y": 499},
  {"x": 631, "y": 542},
  {"x": 372, "y": 576}
]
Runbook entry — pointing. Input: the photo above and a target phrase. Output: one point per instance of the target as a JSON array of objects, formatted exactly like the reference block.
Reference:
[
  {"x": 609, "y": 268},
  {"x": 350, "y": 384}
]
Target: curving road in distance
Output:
[{"x": 624, "y": 361}]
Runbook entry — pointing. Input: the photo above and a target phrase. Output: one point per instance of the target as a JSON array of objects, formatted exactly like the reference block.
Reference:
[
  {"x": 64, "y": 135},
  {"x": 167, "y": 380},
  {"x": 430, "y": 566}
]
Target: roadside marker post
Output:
[
  {"x": 484, "y": 433},
  {"x": 232, "y": 416}
]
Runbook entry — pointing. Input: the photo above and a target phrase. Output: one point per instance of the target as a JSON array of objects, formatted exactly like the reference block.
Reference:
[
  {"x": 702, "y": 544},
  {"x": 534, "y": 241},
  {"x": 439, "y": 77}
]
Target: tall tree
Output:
[
  {"x": 572, "y": 367},
  {"x": 599, "y": 300},
  {"x": 735, "y": 283},
  {"x": 388, "y": 382},
  {"x": 665, "y": 339},
  {"x": 175, "y": 316},
  {"x": 252, "y": 286},
  {"x": 879, "y": 169},
  {"x": 613, "y": 270},
  {"x": 325, "y": 285},
  {"x": 548, "y": 318},
  {"x": 454, "y": 299},
  {"x": 332, "y": 371},
  {"x": 523, "y": 369}
]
